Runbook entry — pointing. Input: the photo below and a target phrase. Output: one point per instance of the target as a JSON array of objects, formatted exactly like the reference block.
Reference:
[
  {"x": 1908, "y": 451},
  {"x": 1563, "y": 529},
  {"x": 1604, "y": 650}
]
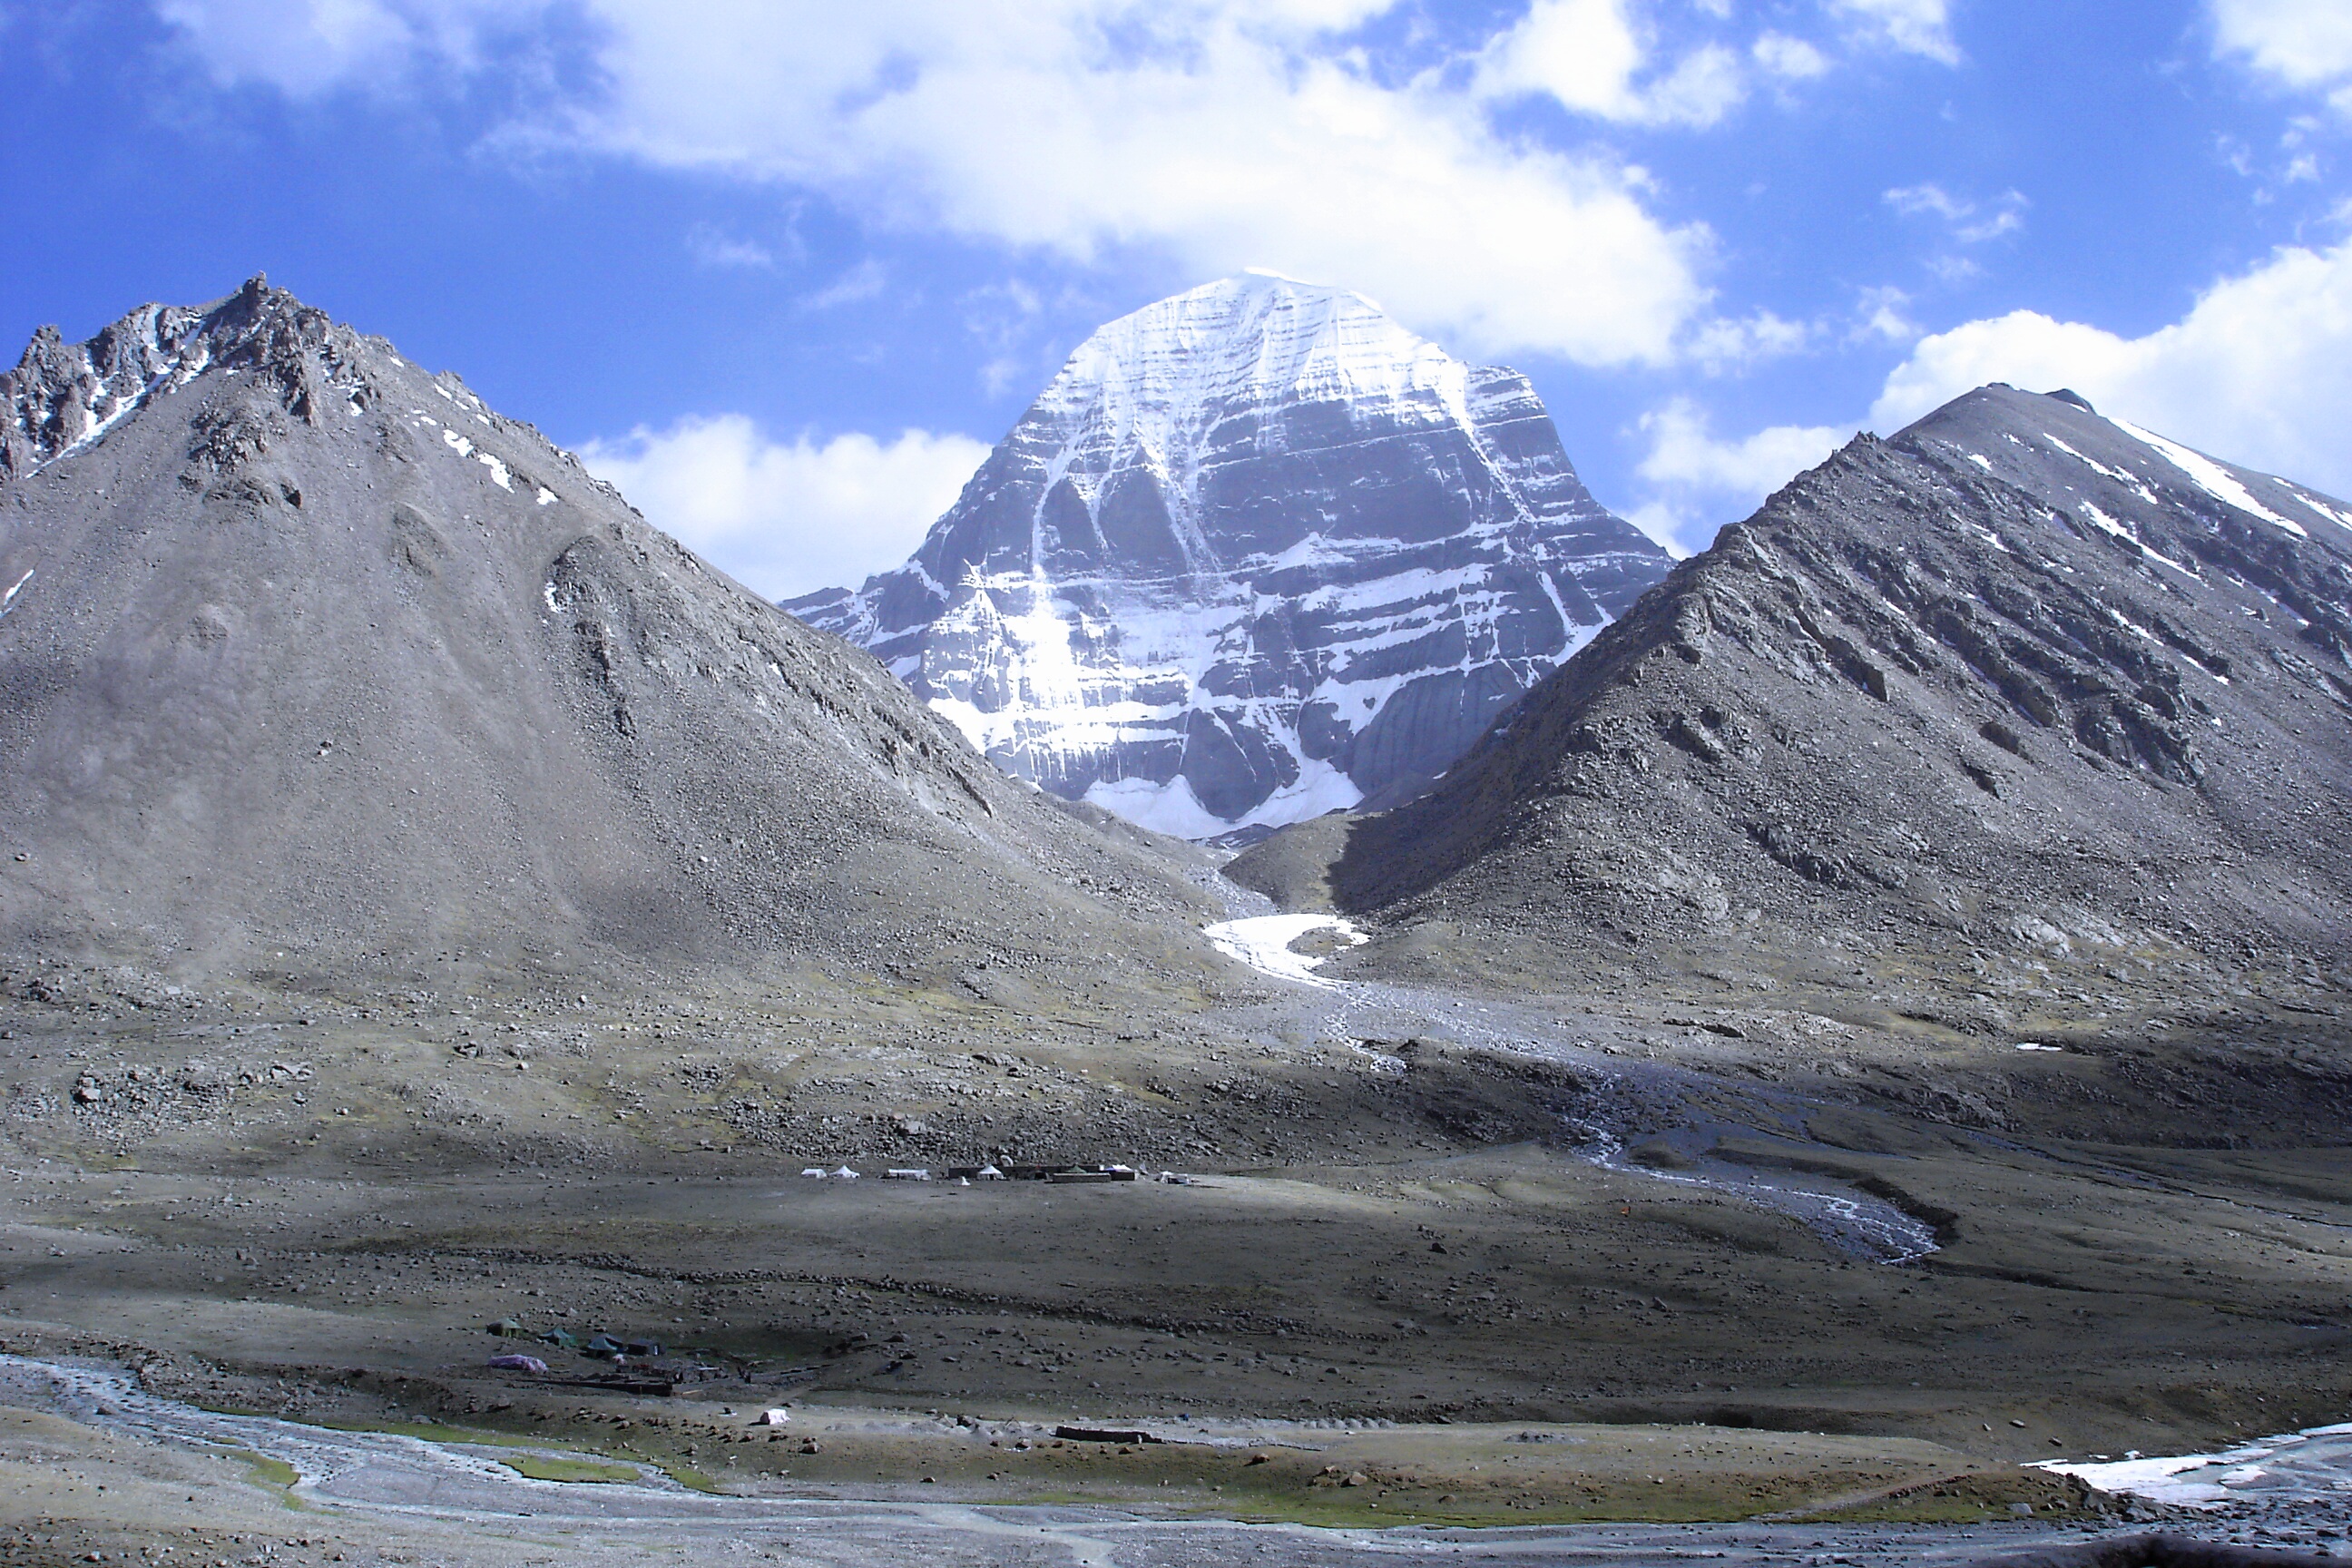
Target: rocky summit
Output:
[
  {"x": 1257, "y": 554},
  {"x": 2021, "y": 680},
  {"x": 311, "y": 661}
]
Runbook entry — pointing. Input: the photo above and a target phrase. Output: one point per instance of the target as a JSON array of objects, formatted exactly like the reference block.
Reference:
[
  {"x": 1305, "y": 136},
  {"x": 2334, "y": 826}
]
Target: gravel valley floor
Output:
[{"x": 1436, "y": 1262}]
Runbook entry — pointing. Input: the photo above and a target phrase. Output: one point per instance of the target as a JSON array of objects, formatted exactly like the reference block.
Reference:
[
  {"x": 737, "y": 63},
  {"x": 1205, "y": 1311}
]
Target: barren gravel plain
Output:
[{"x": 1432, "y": 1261}]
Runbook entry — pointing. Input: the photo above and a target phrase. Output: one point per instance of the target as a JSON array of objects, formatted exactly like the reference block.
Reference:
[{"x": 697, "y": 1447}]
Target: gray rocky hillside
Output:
[
  {"x": 2018, "y": 681},
  {"x": 310, "y": 662}
]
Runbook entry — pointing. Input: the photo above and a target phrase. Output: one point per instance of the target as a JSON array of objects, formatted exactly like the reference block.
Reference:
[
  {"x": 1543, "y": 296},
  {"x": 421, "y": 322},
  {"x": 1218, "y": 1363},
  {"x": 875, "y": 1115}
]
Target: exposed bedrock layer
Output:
[{"x": 1257, "y": 553}]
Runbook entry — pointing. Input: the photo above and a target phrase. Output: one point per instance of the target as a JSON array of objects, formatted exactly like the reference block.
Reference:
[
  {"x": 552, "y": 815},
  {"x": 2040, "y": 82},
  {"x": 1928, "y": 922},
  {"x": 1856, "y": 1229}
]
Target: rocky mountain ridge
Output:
[
  {"x": 2020, "y": 679},
  {"x": 1257, "y": 553},
  {"x": 309, "y": 659}
]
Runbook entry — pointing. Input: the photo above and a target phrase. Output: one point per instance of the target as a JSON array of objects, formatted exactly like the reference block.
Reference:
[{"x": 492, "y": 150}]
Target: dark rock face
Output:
[
  {"x": 2019, "y": 677},
  {"x": 308, "y": 658},
  {"x": 1257, "y": 554}
]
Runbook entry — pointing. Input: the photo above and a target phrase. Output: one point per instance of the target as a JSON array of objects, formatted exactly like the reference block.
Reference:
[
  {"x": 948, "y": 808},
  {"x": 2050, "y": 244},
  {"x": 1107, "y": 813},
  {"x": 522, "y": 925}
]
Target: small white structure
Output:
[
  {"x": 817, "y": 1170},
  {"x": 844, "y": 1175},
  {"x": 990, "y": 1173},
  {"x": 773, "y": 1417},
  {"x": 907, "y": 1175}
]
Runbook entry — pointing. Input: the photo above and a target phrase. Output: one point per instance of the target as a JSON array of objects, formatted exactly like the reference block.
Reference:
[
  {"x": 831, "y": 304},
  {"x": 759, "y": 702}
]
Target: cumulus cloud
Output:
[
  {"x": 302, "y": 46},
  {"x": 1702, "y": 481},
  {"x": 785, "y": 517},
  {"x": 1880, "y": 314},
  {"x": 2259, "y": 372},
  {"x": 1779, "y": 55},
  {"x": 1605, "y": 59},
  {"x": 1214, "y": 133},
  {"x": 2300, "y": 44},
  {"x": 1724, "y": 343},
  {"x": 1914, "y": 26},
  {"x": 1590, "y": 57}
]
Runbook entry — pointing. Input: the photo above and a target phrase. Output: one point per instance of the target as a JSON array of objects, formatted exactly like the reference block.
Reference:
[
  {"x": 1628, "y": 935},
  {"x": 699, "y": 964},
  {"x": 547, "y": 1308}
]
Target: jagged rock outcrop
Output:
[
  {"x": 310, "y": 660},
  {"x": 2020, "y": 676},
  {"x": 1257, "y": 554}
]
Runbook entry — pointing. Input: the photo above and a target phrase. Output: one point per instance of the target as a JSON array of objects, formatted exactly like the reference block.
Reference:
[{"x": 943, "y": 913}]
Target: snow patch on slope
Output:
[
  {"x": 1173, "y": 808},
  {"x": 2209, "y": 476},
  {"x": 1262, "y": 941}
]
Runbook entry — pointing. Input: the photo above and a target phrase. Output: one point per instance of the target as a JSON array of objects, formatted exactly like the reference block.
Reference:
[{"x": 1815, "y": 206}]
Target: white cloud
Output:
[
  {"x": 1968, "y": 221},
  {"x": 1669, "y": 528},
  {"x": 1703, "y": 481},
  {"x": 1781, "y": 55},
  {"x": 2302, "y": 44},
  {"x": 1587, "y": 54},
  {"x": 864, "y": 281},
  {"x": 2259, "y": 372},
  {"x": 302, "y": 46},
  {"x": 1914, "y": 26},
  {"x": 1215, "y": 133},
  {"x": 1724, "y": 343},
  {"x": 787, "y": 518},
  {"x": 1879, "y": 313},
  {"x": 714, "y": 247},
  {"x": 1001, "y": 318}
]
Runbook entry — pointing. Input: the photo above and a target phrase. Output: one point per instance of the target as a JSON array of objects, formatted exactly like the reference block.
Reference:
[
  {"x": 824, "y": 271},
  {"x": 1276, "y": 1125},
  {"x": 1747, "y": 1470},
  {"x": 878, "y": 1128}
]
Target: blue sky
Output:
[{"x": 785, "y": 270}]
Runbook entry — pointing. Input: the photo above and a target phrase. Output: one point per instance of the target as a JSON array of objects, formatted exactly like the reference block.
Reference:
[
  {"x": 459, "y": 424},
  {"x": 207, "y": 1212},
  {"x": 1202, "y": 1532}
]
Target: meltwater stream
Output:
[
  {"x": 457, "y": 1499},
  {"x": 1854, "y": 1223},
  {"x": 1850, "y": 1221},
  {"x": 2311, "y": 1465}
]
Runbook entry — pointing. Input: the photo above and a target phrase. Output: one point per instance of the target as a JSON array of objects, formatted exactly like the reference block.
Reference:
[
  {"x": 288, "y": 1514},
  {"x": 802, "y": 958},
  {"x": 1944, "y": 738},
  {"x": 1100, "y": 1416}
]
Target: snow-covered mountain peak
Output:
[
  {"x": 1258, "y": 551},
  {"x": 1253, "y": 338}
]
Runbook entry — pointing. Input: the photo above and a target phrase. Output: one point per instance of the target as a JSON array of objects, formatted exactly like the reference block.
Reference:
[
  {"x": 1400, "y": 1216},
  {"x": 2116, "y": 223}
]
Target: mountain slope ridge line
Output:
[
  {"x": 314, "y": 652},
  {"x": 1921, "y": 689}
]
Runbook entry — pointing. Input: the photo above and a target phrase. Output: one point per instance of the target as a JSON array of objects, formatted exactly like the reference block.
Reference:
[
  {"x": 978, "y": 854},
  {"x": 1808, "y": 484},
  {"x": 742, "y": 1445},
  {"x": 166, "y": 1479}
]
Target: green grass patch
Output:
[
  {"x": 546, "y": 1468},
  {"x": 691, "y": 1478},
  {"x": 684, "y": 1474},
  {"x": 270, "y": 1475},
  {"x": 271, "y": 1472}
]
